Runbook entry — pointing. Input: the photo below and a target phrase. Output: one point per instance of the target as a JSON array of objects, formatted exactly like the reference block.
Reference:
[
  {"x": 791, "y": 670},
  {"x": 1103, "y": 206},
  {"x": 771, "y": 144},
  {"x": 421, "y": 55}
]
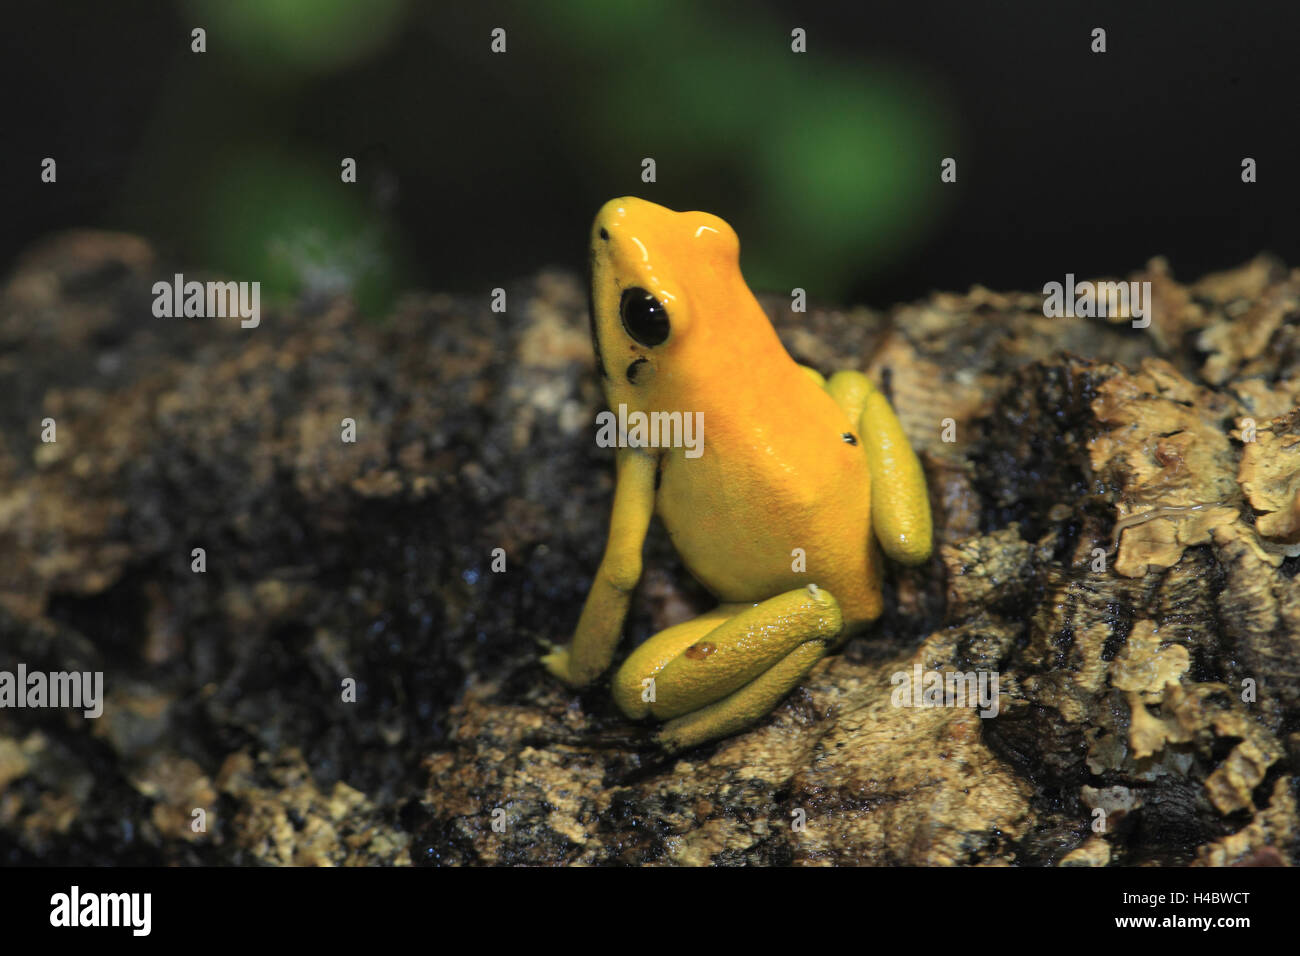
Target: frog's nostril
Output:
[{"x": 604, "y": 233}]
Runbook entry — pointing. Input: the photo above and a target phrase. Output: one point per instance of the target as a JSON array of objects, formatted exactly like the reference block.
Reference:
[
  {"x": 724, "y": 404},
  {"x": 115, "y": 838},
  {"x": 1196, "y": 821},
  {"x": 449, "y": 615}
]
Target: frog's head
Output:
[{"x": 667, "y": 298}]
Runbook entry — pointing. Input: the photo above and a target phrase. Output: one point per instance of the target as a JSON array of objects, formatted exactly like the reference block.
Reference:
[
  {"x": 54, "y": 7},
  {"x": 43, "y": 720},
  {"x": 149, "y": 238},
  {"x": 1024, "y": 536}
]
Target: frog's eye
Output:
[{"x": 644, "y": 317}]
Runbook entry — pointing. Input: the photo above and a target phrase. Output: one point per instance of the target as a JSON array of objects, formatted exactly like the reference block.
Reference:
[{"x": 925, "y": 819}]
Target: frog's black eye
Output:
[{"x": 644, "y": 317}]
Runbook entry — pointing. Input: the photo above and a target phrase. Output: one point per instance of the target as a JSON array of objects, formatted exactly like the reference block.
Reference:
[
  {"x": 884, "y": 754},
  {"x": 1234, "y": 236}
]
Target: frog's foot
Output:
[
  {"x": 555, "y": 657},
  {"x": 556, "y": 660},
  {"x": 725, "y": 670}
]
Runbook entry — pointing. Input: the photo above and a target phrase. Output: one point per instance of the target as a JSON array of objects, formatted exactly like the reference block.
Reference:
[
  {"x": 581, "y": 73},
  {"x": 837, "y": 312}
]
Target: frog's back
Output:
[{"x": 780, "y": 496}]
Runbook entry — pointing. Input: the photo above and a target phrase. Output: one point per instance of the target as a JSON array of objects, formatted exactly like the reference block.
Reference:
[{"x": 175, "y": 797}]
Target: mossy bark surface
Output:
[{"x": 1114, "y": 515}]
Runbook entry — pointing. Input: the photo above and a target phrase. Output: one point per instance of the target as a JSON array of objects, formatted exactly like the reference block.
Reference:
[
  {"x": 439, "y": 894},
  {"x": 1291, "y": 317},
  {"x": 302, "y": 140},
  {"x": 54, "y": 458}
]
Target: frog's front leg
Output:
[
  {"x": 725, "y": 670},
  {"x": 900, "y": 504},
  {"x": 601, "y": 623}
]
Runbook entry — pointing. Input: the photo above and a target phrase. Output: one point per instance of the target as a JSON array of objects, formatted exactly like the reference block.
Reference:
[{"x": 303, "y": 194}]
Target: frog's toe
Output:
[{"x": 557, "y": 661}]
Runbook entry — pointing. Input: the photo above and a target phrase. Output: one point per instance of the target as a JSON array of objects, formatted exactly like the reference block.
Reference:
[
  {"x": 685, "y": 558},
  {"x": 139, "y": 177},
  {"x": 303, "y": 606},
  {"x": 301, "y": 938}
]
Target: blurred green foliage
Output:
[
  {"x": 816, "y": 148},
  {"x": 267, "y": 215},
  {"x": 309, "y": 36},
  {"x": 803, "y": 154}
]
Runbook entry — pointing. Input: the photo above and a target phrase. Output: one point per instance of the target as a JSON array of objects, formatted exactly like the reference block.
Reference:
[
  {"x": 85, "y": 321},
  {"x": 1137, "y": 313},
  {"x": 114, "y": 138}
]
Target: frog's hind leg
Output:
[
  {"x": 725, "y": 670},
  {"x": 900, "y": 504}
]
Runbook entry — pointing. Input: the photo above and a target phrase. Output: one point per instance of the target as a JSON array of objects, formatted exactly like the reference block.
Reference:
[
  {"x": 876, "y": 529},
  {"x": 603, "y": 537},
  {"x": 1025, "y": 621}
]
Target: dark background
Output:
[{"x": 476, "y": 168}]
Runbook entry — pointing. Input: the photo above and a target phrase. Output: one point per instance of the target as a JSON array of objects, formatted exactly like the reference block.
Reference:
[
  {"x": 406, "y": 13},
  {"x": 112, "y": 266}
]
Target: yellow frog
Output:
[{"x": 777, "y": 514}]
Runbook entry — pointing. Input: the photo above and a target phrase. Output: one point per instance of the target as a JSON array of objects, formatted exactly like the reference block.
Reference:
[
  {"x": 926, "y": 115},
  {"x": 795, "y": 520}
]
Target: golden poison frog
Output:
[{"x": 781, "y": 514}]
